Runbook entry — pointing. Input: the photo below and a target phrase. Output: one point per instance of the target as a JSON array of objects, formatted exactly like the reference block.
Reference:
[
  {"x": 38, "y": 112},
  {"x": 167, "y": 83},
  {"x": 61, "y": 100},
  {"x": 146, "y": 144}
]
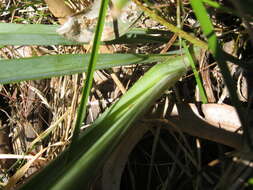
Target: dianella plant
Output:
[{"x": 104, "y": 146}]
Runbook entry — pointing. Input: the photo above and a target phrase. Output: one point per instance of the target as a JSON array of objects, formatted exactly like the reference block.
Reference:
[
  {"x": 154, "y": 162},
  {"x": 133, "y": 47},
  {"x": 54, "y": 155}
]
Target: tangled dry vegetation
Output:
[{"x": 33, "y": 109}]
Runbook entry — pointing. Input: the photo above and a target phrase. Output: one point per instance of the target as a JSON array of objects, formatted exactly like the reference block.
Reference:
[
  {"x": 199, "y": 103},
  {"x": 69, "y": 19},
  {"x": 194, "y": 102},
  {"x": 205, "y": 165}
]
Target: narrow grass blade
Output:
[
  {"x": 196, "y": 74},
  {"x": 89, "y": 75},
  {"x": 218, "y": 54}
]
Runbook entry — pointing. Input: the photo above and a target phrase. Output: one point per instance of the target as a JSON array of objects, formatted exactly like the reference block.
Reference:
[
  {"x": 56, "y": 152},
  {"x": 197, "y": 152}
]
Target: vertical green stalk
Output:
[
  {"x": 91, "y": 68},
  {"x": 196, "y": 74},
  {"x": 217, "y": 52}
]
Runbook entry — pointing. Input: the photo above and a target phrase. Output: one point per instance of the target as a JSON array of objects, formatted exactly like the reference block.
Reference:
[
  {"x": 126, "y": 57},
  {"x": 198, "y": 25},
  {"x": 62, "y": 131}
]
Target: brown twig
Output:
[{"x": 185, "y": 118}]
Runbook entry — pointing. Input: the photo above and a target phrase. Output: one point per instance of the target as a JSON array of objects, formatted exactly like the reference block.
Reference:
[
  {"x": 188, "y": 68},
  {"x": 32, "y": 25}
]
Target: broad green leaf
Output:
[
  {"x": 39, "y": 34},
  {"x": 15, "y": 70},
  {"x": 95, "y": 144}
]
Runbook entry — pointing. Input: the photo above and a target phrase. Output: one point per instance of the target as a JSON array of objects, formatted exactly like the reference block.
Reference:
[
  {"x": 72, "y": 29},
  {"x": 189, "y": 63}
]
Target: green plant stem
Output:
[
  {"x": 216, "y": 50},
  {"x": 171, "y": 27},
  {"x": 91, "y": 68},
  {"x": 196, "y": 74}
]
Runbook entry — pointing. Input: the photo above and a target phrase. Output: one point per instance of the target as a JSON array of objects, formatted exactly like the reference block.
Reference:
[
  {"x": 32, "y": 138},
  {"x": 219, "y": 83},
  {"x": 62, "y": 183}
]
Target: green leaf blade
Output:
[
  {"x": 95, "y": 145},
  {"x": 16, "y": 70}
]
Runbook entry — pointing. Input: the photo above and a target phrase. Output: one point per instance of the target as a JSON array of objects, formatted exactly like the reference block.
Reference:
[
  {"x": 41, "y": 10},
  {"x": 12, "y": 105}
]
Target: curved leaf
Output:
[{"x": 96, "y": 144}]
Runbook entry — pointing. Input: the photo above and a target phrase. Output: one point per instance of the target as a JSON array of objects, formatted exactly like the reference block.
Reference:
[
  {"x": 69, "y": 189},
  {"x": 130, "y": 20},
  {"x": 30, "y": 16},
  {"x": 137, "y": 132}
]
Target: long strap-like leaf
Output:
[
  {"x": 95, "y": 145},
  {"x": 16, "y": 70}
]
